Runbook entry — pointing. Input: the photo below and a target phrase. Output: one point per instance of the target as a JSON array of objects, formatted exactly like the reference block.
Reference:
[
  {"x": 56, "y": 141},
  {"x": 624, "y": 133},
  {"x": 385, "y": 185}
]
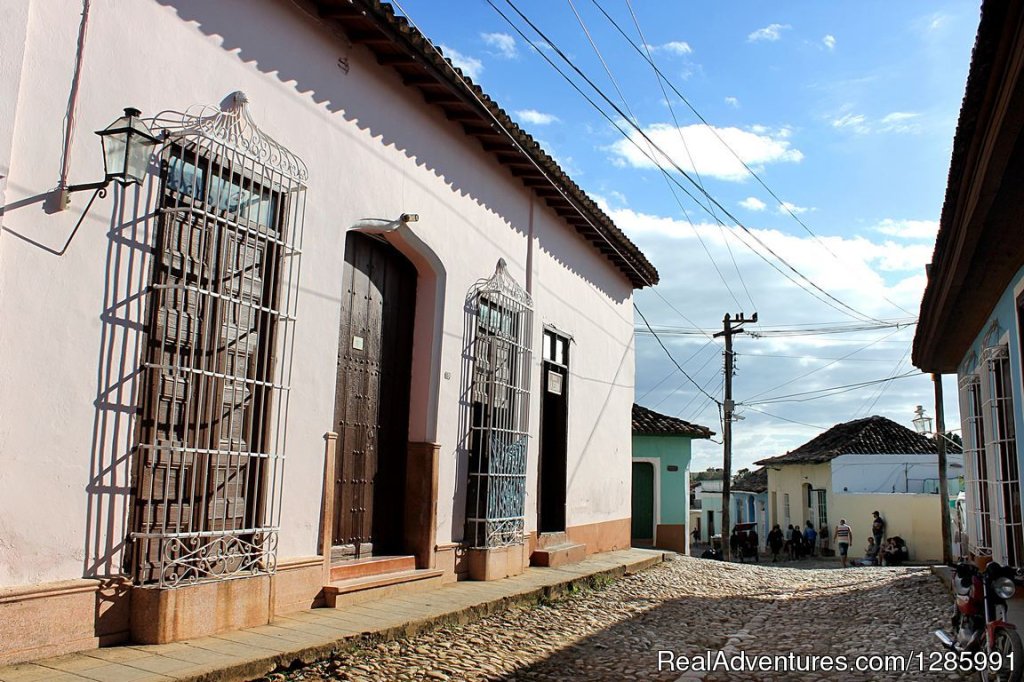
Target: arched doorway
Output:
[{"x": 371, "y": 410}]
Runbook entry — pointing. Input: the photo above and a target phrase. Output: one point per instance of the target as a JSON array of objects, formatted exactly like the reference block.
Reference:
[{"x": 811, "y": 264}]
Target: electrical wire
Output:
[
  {"x": 686, "y": 149},
  {"x": 785, "y": 419},
  {"x": 782, "y": 204},
  {"x": 557, "y": 188},
  {"x": 668, "y": 182},
  {"x": 825, "y": 366},
  {"x": 670, "y": 357},
  {"x": 832, "y": 300},
  {"x": 830, "y": 391}
]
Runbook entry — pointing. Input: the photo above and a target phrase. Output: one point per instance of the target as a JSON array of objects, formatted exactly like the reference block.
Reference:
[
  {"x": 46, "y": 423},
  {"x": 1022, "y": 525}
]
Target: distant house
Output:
[
  {"x": 661, "y": 478},
  {"x": 706, "y": 506},
  {"x": 973, "y": 304},
  {"x": 859, "y": 467},
  {"x": 750, "y": 499}
]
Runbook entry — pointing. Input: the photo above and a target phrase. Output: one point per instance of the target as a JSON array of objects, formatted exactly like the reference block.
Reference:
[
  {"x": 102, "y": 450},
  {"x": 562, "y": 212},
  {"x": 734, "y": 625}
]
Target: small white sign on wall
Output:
[{"x": 357, "y": 342}]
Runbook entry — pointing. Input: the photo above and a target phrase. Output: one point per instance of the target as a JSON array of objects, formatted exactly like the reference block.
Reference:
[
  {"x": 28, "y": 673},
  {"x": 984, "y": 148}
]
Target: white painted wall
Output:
[
  {"x": 70, "y": 325},
  {"x": 893, "y": 473}
]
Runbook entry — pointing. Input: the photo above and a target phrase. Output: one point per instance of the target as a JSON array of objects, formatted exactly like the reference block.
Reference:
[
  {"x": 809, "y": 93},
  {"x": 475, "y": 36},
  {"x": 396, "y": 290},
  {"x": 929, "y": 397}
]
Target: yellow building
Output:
[{"x": 858, "y": 467}]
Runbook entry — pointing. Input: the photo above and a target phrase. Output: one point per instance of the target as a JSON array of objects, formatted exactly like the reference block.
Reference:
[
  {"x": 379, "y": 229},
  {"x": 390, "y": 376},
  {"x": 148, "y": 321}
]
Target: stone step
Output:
[
  {"x": 341, "y": 593},
  {"x": 558, "y": 555},
  {"x": 545, "y": 540},
  {"x": 373, "y": 565}
]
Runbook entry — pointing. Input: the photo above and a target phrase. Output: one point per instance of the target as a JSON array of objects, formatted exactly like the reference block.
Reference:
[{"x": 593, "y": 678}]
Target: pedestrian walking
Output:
[
  {"x": 775, "y": 541},
  {"x": 810, "y": 538},
  {"x": 843, "y": 537},
  {"x": 877, "y": 528}
]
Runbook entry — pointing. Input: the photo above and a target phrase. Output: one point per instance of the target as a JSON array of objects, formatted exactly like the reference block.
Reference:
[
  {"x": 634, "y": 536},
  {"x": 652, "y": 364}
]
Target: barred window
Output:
[
  {"x": 978, "y": 480},
  {"x": 1001, "y": 447},
  {"x": 499, "y": 327},
  {"x": 209, "y": 458}
]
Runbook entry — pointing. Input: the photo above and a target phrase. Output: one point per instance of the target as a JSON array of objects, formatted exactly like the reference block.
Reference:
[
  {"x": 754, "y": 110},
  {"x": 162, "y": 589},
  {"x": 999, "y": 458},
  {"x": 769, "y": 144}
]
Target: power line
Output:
[
  {"x": 818, "y": 369},
  {"x": 785, "y": 419},
  {"x": 835, "y": 302},
  {"x": 555, "y": 185},
  {"x": 784, "y": 205},
  {"x": 668, "y": 182},
  {"x": 674, "y": 370},
  {"x": 830, "y": 391},
  {"x": 686, "y": 148},
  {"x": 670, "y": 357}
]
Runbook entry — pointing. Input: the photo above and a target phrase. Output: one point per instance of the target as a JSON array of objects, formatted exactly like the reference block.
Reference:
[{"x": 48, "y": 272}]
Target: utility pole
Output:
[
  {"x": 728, "y": 330},
  {"x": 940, "y": 441}
]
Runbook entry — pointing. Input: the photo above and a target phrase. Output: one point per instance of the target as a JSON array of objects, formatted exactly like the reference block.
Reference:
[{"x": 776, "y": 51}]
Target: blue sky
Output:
[{"x": 845, "y": 110}]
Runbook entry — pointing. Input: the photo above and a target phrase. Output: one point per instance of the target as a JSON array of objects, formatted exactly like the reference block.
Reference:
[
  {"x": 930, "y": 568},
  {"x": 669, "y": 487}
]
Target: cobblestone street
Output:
[{"x": 687, "y": 606}]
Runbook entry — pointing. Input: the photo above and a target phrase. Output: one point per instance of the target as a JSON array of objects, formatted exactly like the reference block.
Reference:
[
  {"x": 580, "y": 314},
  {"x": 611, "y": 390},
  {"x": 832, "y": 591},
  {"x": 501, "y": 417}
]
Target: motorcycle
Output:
[{"x": 980, "y": 627}]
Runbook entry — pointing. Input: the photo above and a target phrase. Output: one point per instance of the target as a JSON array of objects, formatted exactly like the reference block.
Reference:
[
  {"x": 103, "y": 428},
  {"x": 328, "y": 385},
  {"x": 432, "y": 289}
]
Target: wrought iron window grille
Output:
[
  {"x": 499, "y": 324},
  {"x": 208, "y": 464}
]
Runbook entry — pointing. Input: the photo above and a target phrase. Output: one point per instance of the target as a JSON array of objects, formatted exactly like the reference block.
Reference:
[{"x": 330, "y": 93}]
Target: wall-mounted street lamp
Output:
[
  {"x": 126, "y": 148},
  {"x": 922, "y": 424}
]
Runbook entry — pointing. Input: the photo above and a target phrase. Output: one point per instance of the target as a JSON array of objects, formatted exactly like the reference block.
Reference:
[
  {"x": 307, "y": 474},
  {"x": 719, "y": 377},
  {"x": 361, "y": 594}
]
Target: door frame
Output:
[
  {"x": 655, "y": 462},
  {"x": 401, "y": 279}
]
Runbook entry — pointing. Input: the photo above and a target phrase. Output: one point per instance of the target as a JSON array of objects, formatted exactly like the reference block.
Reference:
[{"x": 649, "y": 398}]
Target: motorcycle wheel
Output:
[{"x": 1007, "y": 642}]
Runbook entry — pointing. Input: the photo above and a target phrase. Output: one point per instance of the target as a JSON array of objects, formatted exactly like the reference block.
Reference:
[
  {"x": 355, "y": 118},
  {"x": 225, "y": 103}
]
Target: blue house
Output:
[
  {"x": 661, "y": 479},
  {"x": 972, "y": 312}
]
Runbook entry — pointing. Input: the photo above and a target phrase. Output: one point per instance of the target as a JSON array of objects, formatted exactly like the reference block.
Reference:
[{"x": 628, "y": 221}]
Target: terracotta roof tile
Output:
[
  {"x": 870, "y": 436},
  {"x": 650, "y": 423}
]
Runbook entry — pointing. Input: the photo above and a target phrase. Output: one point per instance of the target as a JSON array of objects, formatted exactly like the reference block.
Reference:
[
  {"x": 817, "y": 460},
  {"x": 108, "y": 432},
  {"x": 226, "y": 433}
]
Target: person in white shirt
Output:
[{"x": 843, "y": 536}]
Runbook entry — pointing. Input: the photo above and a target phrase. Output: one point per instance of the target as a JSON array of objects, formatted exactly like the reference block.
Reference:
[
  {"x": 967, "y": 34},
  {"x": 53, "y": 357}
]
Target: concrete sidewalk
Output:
[{"x": 307, "y": 636}]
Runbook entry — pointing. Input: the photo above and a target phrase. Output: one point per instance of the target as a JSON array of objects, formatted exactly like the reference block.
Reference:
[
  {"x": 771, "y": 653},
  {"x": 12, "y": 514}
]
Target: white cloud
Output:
[
  {"x": 503, "y": 43},
  {"x": 471, "y": 66},
  {"x": 869, "y": 271},
  {"x": 732, "y": 102},
  {"x": 787, "y": 207},
  {"x": 536, "y": 117},
  {"x": 909, "y": 229},
  {"x": 829, "y": 41},
  {"x": 705, "y": 153},
  {"x": 753, "y": 204},
  {"x": 855, "y": 122},
  {"x": 772, "y": 32},
  {"x": 900, "y": 122},
  {"x": 677, "y": 47},
  {"x": 895, "y": 122}
]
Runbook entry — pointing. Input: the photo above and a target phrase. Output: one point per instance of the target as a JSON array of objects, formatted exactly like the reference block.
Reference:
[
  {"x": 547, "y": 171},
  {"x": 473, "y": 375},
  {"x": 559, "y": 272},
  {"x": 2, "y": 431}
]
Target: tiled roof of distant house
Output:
[
  {"x": 755, "y": 481},
  {"x": 870, "y": 436},
  {"x": 650, "y": 423},
  {"x": 399, "y": 45}
]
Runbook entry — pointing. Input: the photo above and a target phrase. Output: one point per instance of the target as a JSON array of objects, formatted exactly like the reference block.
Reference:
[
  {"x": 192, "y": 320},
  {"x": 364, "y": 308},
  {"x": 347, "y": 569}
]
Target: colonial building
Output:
[
  {"x": 861, "y": 466},
  {"x": 661, "y": 478},
  {"x": 351, "y": 322},
  {"x": 973, "y": 305}
]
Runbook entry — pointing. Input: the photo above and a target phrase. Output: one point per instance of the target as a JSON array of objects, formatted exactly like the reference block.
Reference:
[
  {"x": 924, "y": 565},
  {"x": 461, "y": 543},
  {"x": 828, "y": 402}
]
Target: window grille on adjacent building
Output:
[
  {"x": 1001, "y": 446},
  {"x": 499, "y": 327},
  {"x": 209, "y": 460},
  {"x": 822, "y": 519},
  {"x": 786, "y": 519},
  {"x": 977, "y": 480}
]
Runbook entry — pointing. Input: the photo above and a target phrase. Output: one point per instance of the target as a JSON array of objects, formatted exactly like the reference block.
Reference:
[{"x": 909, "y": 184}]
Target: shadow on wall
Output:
[
  {"x": 118, "y": 379},
  {"x": 301, "y": 65}
]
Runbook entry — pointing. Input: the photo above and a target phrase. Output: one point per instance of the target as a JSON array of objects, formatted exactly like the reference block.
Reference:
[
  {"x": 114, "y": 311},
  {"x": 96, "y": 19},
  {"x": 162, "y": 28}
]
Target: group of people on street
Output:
[
  {"x": 794, "y": 542},
  {"x": 890, "y": 553},
  {"x": 798, "y": 543}
]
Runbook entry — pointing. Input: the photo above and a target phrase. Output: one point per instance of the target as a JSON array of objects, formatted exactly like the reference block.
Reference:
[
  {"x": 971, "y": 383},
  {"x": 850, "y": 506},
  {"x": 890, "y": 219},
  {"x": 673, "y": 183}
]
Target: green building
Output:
[{"x": 661, "y": 478}]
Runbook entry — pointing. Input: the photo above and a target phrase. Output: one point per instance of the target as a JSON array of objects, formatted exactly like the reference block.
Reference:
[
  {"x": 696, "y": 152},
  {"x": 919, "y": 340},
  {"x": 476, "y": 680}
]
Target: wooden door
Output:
[
  {"x": 371, "y": 411},
  {"x": 554, "y": 434}
]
